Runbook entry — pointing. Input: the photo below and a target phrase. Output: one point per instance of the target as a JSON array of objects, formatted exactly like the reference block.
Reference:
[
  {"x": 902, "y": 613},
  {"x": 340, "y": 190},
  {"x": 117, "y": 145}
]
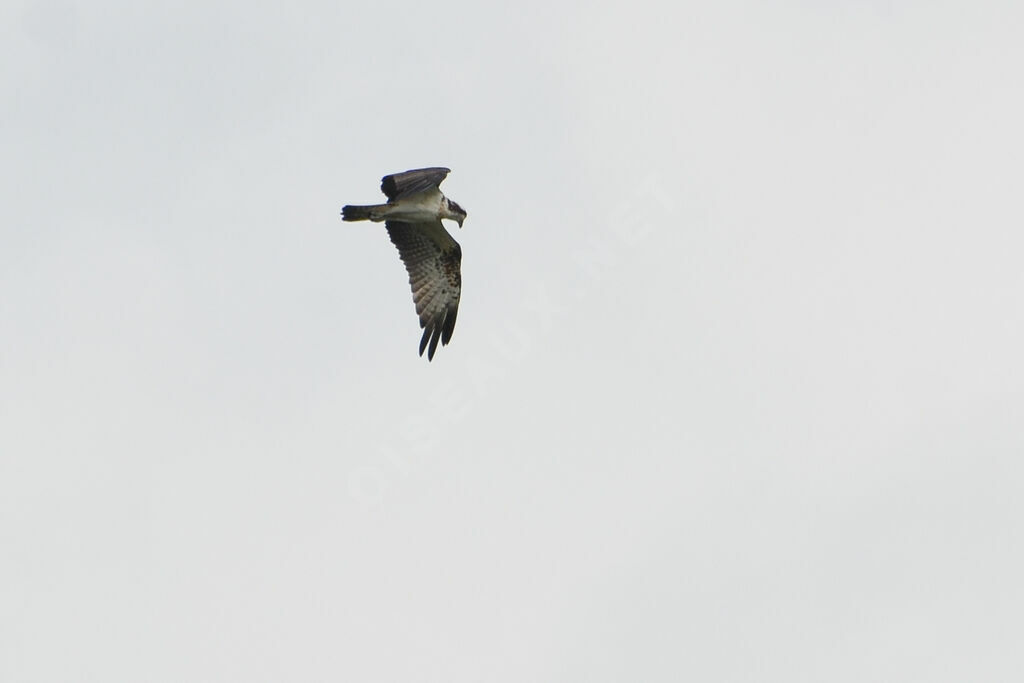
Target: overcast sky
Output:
[{"x": 736, "y": 391}]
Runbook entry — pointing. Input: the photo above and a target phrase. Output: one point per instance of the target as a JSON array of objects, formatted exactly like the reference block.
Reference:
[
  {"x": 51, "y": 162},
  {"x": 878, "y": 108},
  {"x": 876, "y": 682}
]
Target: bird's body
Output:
[
  {"x": 432, "y": 258},
  {"x": 429, "y": 205}
]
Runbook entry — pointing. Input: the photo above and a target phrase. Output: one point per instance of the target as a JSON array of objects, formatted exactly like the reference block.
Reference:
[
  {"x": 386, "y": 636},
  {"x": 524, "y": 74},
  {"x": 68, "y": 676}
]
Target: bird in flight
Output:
[{"x": 413, "y": 216}]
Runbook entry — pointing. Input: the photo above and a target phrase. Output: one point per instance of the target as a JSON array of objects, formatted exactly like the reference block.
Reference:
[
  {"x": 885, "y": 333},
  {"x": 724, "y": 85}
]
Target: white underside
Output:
[{"x": 419, "y": 208}]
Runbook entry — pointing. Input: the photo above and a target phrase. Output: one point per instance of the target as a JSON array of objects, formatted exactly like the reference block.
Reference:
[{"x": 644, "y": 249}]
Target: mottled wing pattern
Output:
[
  {"x": 400, "y": 185},
  {"x": 433, "y": 260}
]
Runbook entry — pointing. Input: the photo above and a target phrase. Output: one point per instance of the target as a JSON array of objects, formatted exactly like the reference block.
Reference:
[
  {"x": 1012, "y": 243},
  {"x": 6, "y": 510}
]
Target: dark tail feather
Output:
[{"x": 357, "y": 213}]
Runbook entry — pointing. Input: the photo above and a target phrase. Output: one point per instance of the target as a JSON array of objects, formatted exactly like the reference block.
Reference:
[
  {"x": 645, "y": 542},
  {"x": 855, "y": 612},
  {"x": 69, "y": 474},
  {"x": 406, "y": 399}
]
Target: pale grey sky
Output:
[{"x": 736, "y": 391}]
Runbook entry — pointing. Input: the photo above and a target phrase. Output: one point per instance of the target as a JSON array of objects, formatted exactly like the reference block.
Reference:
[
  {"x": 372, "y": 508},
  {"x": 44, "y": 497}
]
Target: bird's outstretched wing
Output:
[
  {"x": 400, "y": 185},
  {"x": 433, "y": 260}
]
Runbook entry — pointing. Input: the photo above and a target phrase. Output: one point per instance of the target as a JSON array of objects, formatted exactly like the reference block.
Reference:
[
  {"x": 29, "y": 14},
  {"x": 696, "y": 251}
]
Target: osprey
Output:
[{"x": 413, "y": 218}]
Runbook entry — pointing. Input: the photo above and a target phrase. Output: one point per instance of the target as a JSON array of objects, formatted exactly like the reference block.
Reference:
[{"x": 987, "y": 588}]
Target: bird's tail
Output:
[{"x": 363, "y": 213}]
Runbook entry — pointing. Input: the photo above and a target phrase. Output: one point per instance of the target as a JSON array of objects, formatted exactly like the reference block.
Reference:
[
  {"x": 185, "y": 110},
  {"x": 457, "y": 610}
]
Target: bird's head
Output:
[{"x": 456, "y": 212}]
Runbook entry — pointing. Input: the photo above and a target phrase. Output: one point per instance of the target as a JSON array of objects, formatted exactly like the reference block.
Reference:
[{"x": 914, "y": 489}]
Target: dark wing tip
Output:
[
  {"x": 431, "y": 333},
  {"x": 423, "y": 341},
  {"x": 438, "y": 330},
  {"x": 433, "y": 342},
  {"x": 449, "y": 324}
]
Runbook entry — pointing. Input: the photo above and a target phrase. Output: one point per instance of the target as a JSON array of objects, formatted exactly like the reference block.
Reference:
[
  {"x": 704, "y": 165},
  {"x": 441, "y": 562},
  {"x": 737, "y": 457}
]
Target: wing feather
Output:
[
  {"x": 433, "y": 260},
  {"x": 399, "y": 185}
]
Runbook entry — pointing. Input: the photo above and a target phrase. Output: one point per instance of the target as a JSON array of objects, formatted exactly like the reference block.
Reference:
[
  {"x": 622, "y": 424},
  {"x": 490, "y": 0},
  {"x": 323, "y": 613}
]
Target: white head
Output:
[{"x": 455, "y": 212}]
